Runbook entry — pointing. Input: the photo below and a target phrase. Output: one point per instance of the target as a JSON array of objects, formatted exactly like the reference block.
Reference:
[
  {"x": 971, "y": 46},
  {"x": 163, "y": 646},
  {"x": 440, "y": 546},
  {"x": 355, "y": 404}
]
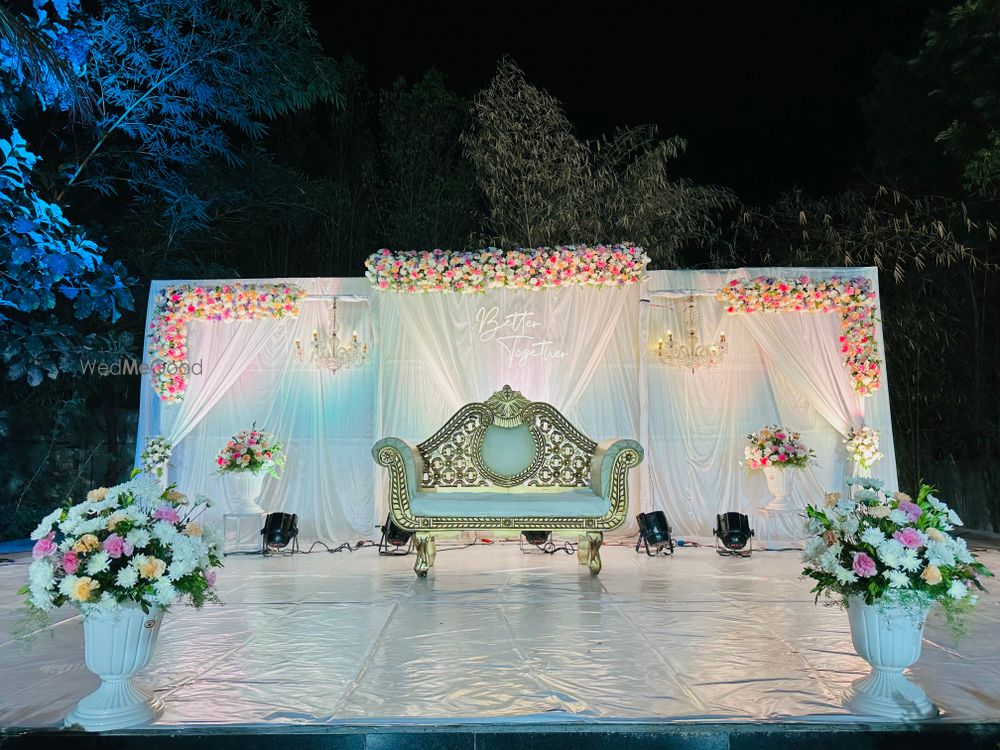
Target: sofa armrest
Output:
[
  {"x": 603, "y": 461},
  {"x": 387, "y": 449}
]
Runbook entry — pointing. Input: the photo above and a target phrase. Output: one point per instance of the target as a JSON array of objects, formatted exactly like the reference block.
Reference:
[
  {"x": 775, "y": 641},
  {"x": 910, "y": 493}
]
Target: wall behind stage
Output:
[{"x": 588, "y": 351}]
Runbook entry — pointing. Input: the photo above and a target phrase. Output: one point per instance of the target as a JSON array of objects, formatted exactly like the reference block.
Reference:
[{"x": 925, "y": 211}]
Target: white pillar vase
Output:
[
  {"x": 115, "y": 648},
  {"x": 888, "y": 637},
  {"x": 779, "y": 484},
  {"x": 244, "y": 490}
]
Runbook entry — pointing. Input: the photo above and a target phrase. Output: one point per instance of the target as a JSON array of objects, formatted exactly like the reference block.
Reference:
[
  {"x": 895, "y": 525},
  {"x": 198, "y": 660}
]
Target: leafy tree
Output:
[
  {"x": 544, "y": 186},
  {"x": 430, "y": 195},
  {"x": 181, "y": 83}
]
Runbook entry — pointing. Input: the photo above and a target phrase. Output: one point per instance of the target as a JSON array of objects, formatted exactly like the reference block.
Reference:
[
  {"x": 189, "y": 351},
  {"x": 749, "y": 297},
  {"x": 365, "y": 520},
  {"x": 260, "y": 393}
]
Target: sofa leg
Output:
[
  {"x": 588, "y": 550},
  {"x": 426, "y": 550},
  {"x": 594, "y": 541}
]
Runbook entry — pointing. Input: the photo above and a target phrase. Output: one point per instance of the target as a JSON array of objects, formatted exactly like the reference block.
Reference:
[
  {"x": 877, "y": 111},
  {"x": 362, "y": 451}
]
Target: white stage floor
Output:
[{"x": 493, "y": 634}]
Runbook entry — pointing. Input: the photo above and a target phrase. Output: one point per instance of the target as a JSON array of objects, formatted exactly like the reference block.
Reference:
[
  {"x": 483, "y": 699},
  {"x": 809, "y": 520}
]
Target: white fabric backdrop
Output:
[{"x": 590, "y": 352}]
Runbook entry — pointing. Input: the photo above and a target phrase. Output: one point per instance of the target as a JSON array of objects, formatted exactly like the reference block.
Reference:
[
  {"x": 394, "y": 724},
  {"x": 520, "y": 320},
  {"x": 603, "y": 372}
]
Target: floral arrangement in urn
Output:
[
  {"x": 123, "y": 556},
  {"x": 776, "y": 447},
  {"x": 155, "y": 456},
  {"x": 876, "y": 545},
  {"x": 862, "y": 446},
  {"x": 133, "y": 544},
  {"x": 253, "y": 451},
  {"x": 888, "y": 559}
]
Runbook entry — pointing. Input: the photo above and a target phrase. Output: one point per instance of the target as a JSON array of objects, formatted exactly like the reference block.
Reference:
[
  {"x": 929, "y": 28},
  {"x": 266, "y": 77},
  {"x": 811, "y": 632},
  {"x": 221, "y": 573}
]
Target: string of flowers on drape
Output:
[
  {"x": 491, "y": 268},
  {"x": 852, "y": 298},
  {"x": 176, "y": 306}
]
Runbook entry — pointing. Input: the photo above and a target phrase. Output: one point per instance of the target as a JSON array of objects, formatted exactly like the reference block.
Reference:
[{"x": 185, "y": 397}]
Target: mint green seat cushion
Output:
[
  {"x": 571, "y": 501},
  {"x": 507, "y": 451}
]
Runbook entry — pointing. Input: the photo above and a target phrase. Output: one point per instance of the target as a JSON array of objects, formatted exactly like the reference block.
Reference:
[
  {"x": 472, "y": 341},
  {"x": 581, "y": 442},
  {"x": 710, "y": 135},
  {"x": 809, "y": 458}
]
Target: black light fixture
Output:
[
  {"x": 654, "y": 531},
  {"x": 394, "y": 541},
  {"x": 535, "y": 538},
  {"x": 733, "y": 533},
  {"x": 280, "y": 530}
]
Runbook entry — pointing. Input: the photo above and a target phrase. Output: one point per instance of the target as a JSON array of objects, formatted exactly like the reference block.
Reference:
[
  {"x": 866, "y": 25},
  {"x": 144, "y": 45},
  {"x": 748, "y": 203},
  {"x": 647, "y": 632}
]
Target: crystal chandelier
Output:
[
  {"x": 326, "y": 353},
  {"x": 689, "y": 353}
]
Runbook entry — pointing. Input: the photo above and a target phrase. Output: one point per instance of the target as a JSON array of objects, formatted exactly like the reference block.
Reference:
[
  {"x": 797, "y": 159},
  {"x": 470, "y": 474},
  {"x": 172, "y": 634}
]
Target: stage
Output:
[{"x": 500, "y": 638}]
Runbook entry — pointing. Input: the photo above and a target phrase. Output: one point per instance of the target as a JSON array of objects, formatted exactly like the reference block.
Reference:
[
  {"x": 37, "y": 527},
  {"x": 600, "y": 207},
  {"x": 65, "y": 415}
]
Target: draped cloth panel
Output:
[
  {"x": 576, "y": 348},
  {"x": 781, "y": 367},
  {"x": 590, "y": 352}
]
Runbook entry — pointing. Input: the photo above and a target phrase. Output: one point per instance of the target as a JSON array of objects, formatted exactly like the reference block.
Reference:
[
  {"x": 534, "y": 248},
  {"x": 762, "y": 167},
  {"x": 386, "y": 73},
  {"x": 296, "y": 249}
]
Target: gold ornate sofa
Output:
[{"x": 508, "y": 463}]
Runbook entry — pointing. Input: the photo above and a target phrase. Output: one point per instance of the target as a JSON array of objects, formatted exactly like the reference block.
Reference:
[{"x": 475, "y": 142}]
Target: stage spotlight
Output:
[
  {"x": 394, "y": 541},
  {"x": 538, "y": 540},
  {"x": 537, "y": 537},
  {"x": 279, "y": 530},
  {"x": 654, "y": 531},
  {"x": 733, "y": 533}
]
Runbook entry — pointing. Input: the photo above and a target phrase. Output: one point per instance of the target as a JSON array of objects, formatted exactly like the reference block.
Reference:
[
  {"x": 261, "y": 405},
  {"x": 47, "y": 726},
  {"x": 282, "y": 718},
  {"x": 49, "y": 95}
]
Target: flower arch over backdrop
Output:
[
  {"x": 852, "y": 298},
  {"x": 492, "y": 268},
  {"x": 175, "y": 306}
]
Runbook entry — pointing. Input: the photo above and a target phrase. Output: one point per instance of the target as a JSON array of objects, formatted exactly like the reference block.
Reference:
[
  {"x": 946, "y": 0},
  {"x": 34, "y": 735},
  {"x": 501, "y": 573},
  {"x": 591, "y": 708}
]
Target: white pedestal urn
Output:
[
  {"x": 115, "y": 648},
  {"x": 244, "y": 490},
  {"x": 888, "y": 638},
  {"x": 779, "y": 484}
]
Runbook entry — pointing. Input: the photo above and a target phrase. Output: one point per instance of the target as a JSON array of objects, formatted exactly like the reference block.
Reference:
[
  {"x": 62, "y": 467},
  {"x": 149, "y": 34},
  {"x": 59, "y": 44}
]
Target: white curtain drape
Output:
[
  {"x": 591, "y": 352},
  {"x": 782, "y": 367},
  {"x": 576, "y": 348}
]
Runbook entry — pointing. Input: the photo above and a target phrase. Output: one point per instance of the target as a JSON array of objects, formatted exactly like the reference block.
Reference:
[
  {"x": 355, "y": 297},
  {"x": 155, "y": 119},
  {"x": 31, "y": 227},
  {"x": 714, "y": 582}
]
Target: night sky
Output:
[{"x": 766, "y": 94}]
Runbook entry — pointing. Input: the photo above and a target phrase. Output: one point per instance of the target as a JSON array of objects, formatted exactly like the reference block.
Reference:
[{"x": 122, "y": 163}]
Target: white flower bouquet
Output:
[
  {"x": 885, "y": 547},
  {"x": 134, "y": 544},
  {"x": 156, "y": 455},
  {"x": 862, "y": 446}
]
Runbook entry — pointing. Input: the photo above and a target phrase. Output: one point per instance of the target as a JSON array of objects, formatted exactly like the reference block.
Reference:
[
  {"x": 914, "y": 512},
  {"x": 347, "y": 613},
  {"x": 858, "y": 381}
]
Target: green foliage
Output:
[
  {"x": 52, "y": 274},
  {"x": 545, "y": 187},
  {"x": 185, "y": 82}
]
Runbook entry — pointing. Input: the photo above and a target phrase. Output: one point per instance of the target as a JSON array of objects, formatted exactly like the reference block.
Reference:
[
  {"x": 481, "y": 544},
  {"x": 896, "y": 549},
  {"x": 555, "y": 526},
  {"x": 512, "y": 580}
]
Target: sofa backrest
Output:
[{"x": 507, "y": 441}]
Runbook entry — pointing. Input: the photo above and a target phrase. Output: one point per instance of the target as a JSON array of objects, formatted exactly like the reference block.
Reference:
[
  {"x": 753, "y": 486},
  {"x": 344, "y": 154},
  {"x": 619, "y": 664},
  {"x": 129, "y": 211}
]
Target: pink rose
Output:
[
  {"x": 912, "y": 510},
  {"x": 70, "y": 562},
  {"x": 44, "y": 546},
  {"x": 166, "y": 513},
  {"x": 116, "y": 546},
  {"x": 909, "y": 538},
  {"x": 864, "y": 566}
]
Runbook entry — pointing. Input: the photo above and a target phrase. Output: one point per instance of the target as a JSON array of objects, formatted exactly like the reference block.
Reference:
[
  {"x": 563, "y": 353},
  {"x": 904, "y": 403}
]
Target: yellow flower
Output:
[
  {"x": 86, "y": 543},
  {"x": 95, "y": 496},
  {"x": 901, "y": 497},
  {"x": 83, "y": 588},
  {"x": 931, "y": 574},
  {"x": 176, "y": 497},
  {"x": 114, "y": 519},
  {"x": 934, "y": 535},
  {"x": 193, "y": 529},
  {"x": 831, "y": 498},
  {"x": 879, "y": 511},
  {"x": 152, "y": 568}
]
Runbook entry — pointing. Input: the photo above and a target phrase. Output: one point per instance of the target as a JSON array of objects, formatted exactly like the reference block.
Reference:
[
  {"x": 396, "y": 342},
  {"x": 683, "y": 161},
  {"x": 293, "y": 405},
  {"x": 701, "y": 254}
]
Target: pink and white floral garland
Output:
[
  {"x": 852, "y": 298},
  {"x": 477, "y": 271},
  {"x": 176, "y": 306}
]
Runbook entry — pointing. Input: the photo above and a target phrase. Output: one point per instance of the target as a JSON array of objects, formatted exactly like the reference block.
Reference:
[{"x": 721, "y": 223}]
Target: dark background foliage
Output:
[{"x": 267, "y": 138}]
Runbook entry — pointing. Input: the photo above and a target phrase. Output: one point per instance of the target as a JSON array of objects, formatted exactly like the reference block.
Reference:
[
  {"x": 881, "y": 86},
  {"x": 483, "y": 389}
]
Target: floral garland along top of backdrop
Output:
[
  {"x": 852, "y": 298},
  {"x": 176, "y": 306},
  {"x": 491, "y": 268}
]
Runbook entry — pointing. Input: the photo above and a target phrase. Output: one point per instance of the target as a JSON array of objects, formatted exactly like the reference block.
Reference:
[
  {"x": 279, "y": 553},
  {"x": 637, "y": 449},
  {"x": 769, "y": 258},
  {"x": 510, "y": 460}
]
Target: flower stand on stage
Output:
[{"x": 779, "y": 529}]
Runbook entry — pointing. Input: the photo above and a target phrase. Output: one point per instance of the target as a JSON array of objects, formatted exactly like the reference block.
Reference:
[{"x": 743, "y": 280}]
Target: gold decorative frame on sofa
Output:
[{"x": 564, "y": 457}]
